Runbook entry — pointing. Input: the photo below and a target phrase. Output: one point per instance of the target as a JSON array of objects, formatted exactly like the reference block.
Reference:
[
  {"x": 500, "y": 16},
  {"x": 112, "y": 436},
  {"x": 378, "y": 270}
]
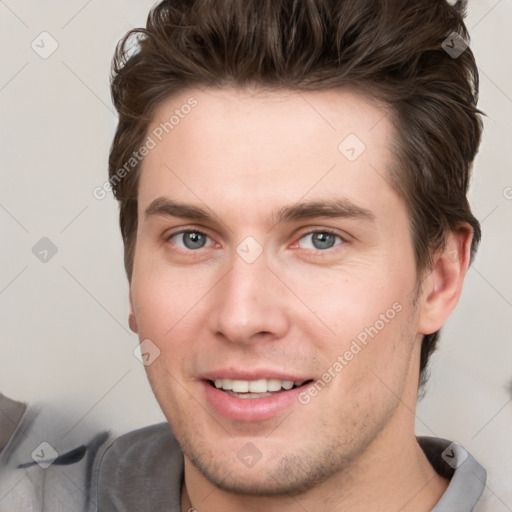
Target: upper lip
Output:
[{"x": 253, "y": 375}]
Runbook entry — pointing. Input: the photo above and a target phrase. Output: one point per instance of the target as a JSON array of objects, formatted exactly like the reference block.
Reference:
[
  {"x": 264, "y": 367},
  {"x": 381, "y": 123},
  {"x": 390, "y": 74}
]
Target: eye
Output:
[
  {"x": 189, "y": 240},
  {"x": 319, "y": 240}
]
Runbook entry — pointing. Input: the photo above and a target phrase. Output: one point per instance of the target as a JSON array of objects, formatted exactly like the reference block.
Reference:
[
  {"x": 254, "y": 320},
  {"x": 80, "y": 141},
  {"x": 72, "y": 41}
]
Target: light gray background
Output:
[{"x": 64, "y": 331}]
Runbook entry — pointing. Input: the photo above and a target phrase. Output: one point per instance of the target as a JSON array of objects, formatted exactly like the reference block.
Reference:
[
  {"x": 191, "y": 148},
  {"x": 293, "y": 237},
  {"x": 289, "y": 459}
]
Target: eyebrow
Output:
[
  {"x": 168, "y": 208},
  {"x": 331, "y": 208}
]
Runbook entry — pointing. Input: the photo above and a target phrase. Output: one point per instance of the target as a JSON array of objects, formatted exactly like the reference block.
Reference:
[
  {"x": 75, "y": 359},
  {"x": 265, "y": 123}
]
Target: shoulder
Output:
[
  {"x": 141, "y": 444},
  {"x": 42, "y": 467},
  {"x": 136, "y": 469}
]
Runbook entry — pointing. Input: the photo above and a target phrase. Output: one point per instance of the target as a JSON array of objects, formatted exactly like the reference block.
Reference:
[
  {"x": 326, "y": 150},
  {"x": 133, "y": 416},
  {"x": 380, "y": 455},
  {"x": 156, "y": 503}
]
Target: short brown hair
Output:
[{"x": 392, "y": 50}]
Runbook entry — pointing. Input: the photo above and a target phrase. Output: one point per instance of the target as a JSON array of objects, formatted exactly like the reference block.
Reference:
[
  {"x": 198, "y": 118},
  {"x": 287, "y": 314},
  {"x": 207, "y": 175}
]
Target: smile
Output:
[
  {"x": 255, "y": 388},
  {"x": 252, "y": 400}
]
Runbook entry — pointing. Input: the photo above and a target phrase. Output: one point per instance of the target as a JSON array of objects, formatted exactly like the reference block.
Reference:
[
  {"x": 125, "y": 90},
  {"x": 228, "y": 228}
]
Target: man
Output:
[{"x": 292, "y": 178}]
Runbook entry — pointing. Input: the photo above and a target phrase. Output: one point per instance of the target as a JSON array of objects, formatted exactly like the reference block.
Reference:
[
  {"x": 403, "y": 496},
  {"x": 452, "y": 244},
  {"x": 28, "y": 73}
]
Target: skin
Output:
[{"x": 243, "y": 155}]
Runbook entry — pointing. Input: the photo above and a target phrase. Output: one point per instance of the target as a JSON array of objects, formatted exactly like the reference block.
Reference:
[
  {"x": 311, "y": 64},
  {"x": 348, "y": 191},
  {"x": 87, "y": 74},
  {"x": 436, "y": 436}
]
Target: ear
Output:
[
  {"x": 132, "y": 320},
  {"x": 442, "y": 287}
]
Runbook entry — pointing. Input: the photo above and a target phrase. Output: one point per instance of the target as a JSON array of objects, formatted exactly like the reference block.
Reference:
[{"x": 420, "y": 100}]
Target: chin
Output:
[{"x": 286, "y": 474}]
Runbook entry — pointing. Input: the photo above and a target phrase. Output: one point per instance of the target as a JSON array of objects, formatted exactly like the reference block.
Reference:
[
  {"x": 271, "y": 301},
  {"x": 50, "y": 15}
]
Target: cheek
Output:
[
  {"x": 166, "y": 298},
  {"x": 383, "y": 364},
  {"x": 371, "y": 329},
  {"x": 345, "y": 303},
  {"x": 171, "y": 309}
]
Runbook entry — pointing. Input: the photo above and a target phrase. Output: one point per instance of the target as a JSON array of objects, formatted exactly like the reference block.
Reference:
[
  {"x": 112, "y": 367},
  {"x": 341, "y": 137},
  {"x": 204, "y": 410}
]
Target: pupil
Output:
[
  {"x": 323, "y": 240},
  {"x": 193, "y": 240}
]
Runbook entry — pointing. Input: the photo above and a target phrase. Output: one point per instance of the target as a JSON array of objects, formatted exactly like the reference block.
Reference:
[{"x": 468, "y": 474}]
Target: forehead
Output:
[{"x": 252, "y": 148}]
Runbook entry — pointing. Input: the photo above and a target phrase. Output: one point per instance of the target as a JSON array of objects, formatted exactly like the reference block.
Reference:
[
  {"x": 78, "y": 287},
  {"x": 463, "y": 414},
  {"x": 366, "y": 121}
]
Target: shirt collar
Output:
[{"x": 467, "y": 476}]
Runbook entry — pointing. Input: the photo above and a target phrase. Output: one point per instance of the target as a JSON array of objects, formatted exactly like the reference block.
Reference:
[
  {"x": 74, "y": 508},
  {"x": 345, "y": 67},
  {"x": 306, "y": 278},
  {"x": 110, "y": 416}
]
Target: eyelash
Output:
[
  {"x": 312, "y": 232},
  {"x": 325, "y": 231},
  {"x": 168, "y": 238}
]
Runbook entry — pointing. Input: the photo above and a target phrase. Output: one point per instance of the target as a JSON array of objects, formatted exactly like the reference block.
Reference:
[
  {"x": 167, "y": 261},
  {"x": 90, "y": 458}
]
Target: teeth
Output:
[
  {"x": 226, "y": 384},
  {"x": 273, "y": 385},
  {"x": 240, "y": 386},
  {"x": 255, "y": 386},
  {"x": 248, "y": 395},
  {"x": 258, "y": 386}
]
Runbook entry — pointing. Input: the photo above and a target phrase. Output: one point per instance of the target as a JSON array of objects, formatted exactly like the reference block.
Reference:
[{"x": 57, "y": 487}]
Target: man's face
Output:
[{"x": 266, "y": 288}]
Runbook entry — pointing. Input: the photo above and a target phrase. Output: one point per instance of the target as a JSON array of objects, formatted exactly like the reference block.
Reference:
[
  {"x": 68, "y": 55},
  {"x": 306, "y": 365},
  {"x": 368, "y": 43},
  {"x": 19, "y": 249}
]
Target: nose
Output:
[{"x": 249, "y": 302}]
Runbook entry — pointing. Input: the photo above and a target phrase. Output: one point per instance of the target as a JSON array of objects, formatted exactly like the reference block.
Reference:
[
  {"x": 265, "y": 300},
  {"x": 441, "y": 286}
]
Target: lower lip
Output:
[{"x": 250, "y": 409}]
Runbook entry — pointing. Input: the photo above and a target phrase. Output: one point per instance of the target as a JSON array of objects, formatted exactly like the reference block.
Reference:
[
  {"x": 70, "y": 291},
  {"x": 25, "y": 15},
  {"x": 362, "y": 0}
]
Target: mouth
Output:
[
  {"x": 252, "y": 400},
  {"x": 252, "y": 389}
]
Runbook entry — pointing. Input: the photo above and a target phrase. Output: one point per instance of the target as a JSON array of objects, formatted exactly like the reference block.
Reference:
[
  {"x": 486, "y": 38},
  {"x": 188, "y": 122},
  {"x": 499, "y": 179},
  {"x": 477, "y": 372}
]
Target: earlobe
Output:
[
  {"x": 443, "y": 286},
  {"x": 132, "y": 320}
]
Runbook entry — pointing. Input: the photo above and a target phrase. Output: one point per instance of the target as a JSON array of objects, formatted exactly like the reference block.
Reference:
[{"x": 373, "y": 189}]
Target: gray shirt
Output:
[
  {"x": 143, "y": 471},
  {"x": 45, "y": 459}
]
